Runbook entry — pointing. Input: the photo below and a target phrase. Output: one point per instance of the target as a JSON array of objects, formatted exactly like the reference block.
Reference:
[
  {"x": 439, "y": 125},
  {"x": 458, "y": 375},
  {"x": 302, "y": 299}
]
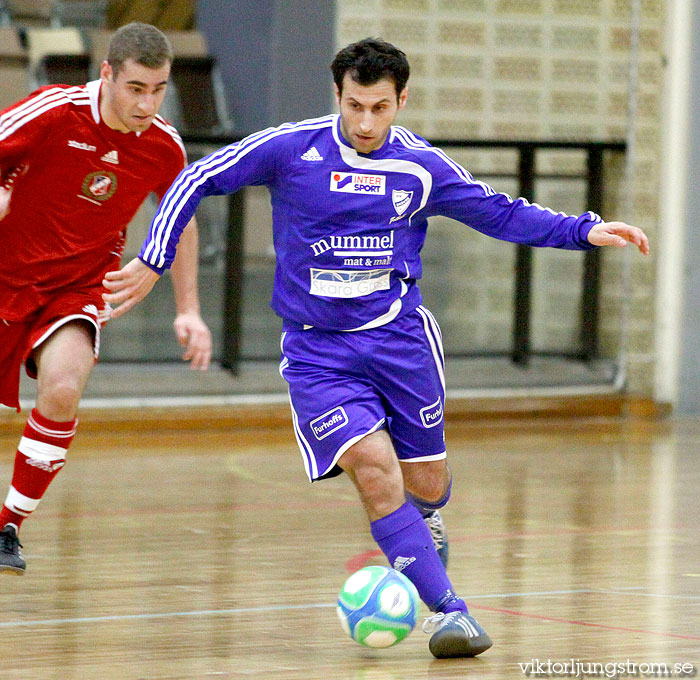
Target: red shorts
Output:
[{"x": 19, "y": 338}]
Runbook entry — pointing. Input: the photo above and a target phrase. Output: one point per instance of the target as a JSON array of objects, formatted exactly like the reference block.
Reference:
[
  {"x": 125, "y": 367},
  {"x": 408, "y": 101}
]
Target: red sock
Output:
[{"x": 40, "y": 455}]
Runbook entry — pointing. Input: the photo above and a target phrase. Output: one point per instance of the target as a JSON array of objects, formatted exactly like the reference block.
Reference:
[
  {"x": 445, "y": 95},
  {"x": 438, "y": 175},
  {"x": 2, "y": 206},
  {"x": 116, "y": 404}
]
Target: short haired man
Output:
[
  {"x": 351, "y": 194},
  {"x": 75, "y": 165}
]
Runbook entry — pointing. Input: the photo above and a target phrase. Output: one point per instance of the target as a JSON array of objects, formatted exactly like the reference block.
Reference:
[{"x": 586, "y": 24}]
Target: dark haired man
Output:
[
  {"x": 75, "y": 165},
  {"x": 351, "y": 195}
]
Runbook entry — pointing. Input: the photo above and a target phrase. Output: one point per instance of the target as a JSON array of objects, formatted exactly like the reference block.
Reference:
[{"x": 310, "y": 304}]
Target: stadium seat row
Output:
[
  {"x": 54, "y": 12},
  {"x": 35, "y": 56}
]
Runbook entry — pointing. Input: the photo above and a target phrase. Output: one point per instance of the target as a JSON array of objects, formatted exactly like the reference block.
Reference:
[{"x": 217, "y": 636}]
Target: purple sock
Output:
[{"x": 406, "y": 541}]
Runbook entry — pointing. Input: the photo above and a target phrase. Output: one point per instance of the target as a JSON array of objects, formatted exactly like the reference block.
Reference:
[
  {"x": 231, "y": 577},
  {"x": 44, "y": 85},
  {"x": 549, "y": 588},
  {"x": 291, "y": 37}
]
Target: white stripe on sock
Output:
[
  {"x": 58, "y": 434},
  {"x": 19, "y": 503},
  {"x": 41, "y": 450}
]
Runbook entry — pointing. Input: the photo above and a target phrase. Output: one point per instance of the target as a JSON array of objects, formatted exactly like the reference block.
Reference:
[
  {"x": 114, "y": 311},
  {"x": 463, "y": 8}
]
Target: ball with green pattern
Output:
[{"x": 378, "y": 606}]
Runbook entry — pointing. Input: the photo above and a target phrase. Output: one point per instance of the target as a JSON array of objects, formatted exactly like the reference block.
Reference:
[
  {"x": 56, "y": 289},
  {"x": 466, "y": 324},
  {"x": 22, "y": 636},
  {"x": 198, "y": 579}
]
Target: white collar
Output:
[{"x": 93, "y": 88}]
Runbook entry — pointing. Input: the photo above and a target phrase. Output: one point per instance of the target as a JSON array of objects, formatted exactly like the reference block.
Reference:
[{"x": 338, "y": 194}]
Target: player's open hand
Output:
[
  {"x": 193, "y": 334},
  {"x": 128, "y": 286},
  {"x": 618, "y": 234}
]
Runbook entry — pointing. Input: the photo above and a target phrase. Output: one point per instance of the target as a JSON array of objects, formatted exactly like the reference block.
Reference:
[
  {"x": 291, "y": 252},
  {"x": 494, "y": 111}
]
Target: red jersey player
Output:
[{"x": 75, "y": 165}]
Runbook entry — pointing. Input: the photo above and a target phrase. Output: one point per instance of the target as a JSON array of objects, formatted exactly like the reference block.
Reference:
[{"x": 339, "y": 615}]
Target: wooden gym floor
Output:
[{"x": 205, "y": 554}]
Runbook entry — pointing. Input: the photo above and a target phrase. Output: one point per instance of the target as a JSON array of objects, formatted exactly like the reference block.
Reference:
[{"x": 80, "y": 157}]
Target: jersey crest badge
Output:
[
  {"x": 401, "y": 200},
  {"x": 100, "y": 185}
]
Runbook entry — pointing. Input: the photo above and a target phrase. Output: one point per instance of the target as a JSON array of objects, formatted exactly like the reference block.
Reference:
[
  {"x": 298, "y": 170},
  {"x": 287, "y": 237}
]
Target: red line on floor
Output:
[
  {"x": 359, "y": 561},
  {"x": 584, "y": 623}
]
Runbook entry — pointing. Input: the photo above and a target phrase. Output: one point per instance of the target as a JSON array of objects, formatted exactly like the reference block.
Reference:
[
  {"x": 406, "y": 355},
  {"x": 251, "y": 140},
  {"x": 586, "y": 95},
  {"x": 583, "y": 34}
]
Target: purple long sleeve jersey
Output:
[{"x": 348, "y": 227}]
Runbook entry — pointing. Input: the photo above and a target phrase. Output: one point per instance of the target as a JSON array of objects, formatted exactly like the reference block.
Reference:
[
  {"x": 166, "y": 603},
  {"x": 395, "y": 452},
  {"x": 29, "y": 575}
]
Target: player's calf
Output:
[
  {"x": 431, "y": 514},
  {"x": 439, "y": 535}
]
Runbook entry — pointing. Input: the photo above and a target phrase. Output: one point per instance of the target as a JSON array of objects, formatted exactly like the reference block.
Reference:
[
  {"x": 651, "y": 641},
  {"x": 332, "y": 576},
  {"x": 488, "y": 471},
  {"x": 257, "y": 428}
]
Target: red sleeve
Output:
[
  {"x": 172, "y": 167},
  {"x": 25, "y": 124}
]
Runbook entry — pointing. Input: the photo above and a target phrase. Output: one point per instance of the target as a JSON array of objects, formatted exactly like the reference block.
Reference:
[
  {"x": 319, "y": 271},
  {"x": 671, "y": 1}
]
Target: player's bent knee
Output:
[
  {"x": 377, "y": 478},
  {"x": 429, "y": 481},
  {"x": 374, "y": 477},
  {"x": 371, "y": 475}
]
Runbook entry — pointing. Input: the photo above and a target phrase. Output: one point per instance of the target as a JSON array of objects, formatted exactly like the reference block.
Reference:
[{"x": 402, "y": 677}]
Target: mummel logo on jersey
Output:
[
  {"x": 432, "y": 415},
  {"x": 356, "y": 183},
  {"x": 356, "y": 246},
  {"x": 329, "y": 422}
]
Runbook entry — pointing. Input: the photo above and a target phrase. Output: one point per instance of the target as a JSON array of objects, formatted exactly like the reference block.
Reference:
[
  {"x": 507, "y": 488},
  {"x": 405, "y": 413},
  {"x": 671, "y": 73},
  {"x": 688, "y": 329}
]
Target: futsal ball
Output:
[{"x": 378, "y": 606}]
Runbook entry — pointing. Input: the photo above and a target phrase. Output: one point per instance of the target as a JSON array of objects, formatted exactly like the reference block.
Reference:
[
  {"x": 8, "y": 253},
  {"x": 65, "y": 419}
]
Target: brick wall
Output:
[{"x": 542, "y": 69}]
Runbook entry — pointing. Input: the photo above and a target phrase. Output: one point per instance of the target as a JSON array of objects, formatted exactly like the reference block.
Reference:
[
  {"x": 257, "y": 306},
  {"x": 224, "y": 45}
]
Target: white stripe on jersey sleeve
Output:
[
  {"x": 15, "y": 118},
  {"x": 409, "y": 140},
  {"x": 162, "y": 124},
  {"x": 74, "y": 94}
]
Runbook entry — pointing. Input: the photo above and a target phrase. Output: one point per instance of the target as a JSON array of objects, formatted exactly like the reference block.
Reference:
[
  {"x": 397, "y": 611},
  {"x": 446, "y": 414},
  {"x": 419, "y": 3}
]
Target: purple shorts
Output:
[{"x": 345, "y": 385}]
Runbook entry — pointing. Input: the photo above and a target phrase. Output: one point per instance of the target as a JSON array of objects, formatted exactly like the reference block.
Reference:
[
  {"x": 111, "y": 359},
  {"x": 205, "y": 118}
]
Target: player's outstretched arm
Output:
[
  {"x": 128, "y": 286},
  {"x": 192, "y": 333},
  {"x": 618, "y": 234}
]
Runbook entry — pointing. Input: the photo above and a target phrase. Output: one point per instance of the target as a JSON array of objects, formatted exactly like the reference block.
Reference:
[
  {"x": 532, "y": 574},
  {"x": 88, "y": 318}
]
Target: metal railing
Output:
[{"x": 526, "y": 177}]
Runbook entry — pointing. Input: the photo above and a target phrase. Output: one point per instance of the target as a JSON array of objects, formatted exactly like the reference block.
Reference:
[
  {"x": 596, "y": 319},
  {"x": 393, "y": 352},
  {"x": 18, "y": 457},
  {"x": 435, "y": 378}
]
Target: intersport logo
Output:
[{"x": 357, "y": 183}]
